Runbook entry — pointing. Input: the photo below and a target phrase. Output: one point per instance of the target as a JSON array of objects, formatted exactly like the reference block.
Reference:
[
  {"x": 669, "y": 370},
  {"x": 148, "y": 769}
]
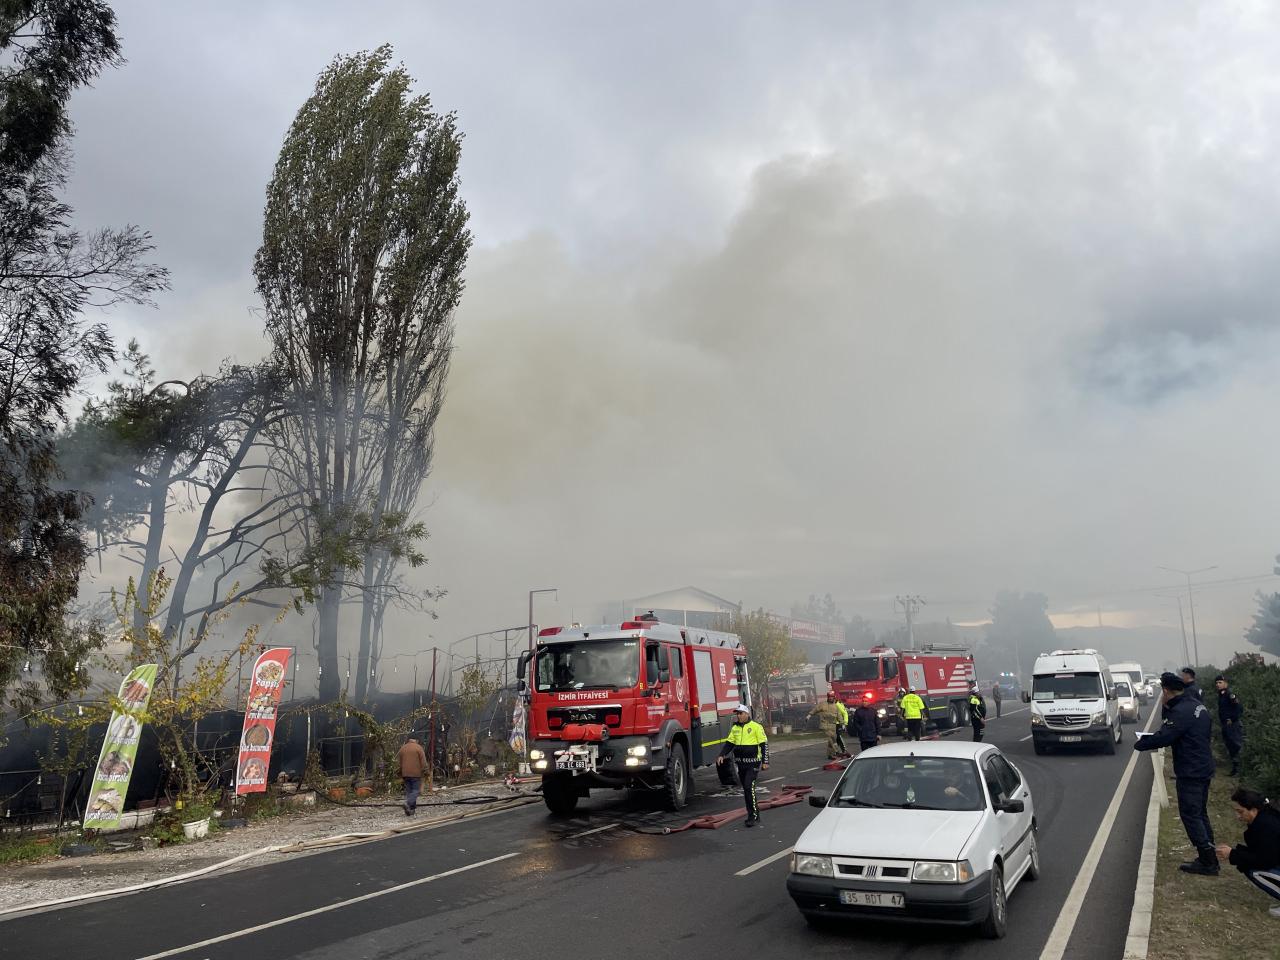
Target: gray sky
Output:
[{"x": 786, "y": 298}]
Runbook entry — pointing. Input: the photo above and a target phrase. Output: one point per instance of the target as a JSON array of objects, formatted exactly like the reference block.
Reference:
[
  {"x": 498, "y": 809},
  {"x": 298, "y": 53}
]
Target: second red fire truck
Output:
[{"x": 940, "y": 675}]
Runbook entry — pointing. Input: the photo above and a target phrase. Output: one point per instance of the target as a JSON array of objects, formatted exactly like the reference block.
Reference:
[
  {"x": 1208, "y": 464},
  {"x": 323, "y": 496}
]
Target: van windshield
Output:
[
  {"x": 1067, "y": 686},
  {"x": 859, "y": 668}
]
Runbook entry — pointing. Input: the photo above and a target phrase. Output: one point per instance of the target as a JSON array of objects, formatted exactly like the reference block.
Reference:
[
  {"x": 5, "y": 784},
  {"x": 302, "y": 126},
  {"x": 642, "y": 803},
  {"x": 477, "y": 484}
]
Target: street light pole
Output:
[
  {"x": 1186, "y": 652},
  {"x": 531, "y": 593},
  {"x": 1191, "y": 603}
]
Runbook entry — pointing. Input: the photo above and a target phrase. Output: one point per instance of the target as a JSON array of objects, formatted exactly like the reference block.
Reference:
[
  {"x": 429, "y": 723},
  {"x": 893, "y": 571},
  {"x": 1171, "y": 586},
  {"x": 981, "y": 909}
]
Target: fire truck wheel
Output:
[
  {"x": 952, "y": 718},
  {"x": 675, "y": 779},
  {"x": 559, "y": 794}
]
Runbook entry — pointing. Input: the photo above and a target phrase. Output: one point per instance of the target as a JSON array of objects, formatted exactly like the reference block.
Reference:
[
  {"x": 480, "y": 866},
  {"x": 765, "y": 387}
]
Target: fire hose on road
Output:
[{"x": 786, "y": 795}]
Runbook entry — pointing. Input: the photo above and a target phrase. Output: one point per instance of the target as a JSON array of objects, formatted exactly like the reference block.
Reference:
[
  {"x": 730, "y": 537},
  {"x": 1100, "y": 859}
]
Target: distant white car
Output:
[
  {"x": 927, "y": 831},
  {"x": 1127, "y": 701}
]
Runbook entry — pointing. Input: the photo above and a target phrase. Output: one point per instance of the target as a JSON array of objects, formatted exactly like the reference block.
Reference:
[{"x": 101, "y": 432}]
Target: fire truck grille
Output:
[{"x": 581, "y": 714}]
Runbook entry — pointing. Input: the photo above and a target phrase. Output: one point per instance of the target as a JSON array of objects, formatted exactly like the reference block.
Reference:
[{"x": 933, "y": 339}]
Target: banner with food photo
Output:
[
  {"x": 266, "y": 683},
  {"x": 119, "y": 749}
]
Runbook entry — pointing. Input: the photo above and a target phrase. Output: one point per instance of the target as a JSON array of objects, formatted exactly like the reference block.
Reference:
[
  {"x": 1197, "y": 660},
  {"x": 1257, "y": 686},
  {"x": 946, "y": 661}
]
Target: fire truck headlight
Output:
[
  {"x": 536, "y": 755},
  {"x": 633, "y": 761},
  {"x": 540, "y": 765},
  {"x": 639, "y": 751}
]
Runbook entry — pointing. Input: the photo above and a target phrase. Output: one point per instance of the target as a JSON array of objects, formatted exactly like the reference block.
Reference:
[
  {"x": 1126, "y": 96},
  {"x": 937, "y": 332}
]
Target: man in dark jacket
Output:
[
  {"x": 998, "y": 696},
  {"x": 1258, "y": 858},
  {"x": 1188, "y": 729},
  {"x": 1230, "y": 715},
  {"x": 865, "y": 724},
  {"x": 1192, "y": 689}
]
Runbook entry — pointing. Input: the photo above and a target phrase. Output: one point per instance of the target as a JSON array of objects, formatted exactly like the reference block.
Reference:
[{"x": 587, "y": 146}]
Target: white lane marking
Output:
[
  {"x": 1138, "y": 942},
  {"x": 774, "y": 780},
  {"x": 763, "y": 863},
  {"x": 587, "y": 833},
  {"x": 1009, "y": 713},
  {"x": 807, "y": 770},
  {"x": 326, "y": 909},
  {"x": 1060, "y": 936},
  {"x": 1026, "y": 738}
]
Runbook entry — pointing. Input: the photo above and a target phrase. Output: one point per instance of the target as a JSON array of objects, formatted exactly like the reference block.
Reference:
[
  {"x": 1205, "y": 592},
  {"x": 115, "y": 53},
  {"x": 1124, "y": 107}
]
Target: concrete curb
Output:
[{"x": 1138, "y": 941}]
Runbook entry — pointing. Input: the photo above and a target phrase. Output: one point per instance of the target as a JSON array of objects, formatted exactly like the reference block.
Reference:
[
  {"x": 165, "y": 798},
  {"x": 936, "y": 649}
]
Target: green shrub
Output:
[{"x": 1258, "y": 687}]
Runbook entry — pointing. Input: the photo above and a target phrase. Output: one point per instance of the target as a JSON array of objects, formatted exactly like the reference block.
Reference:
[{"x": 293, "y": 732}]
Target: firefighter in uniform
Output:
[
  {"x": 914, "y": 712},
  {"x": 1230, "y": 713},
  {"x": 843, "y": 727},
  {"x": 829, "y": 719},
  {"x": 977, "y": 711},
  {"x": 748, "y": 745}
]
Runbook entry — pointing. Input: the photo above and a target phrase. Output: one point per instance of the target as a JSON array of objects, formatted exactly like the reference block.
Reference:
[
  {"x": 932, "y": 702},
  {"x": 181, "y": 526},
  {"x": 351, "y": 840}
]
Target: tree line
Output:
[{"x": 291, "y": 481}]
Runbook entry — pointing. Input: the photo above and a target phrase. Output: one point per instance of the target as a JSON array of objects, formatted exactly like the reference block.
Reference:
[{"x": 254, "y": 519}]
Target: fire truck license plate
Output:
[
  {"x": 862, "y": 898},
  {"x": 572, "y": 763}
]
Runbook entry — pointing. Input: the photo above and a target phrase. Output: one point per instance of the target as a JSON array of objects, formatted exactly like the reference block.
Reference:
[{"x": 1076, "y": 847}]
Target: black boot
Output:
[{"x": 1206, "y": 865}]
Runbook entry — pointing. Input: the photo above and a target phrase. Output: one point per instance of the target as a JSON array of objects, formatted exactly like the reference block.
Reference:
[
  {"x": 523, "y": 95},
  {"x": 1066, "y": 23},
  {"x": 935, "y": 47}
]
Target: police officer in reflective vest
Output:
[
  {"x": 749, "y": 747},
  {"x": 914, "y": 712},
  {"x": 1230, "y": 717},
  {"x": 977, "y": 711}
]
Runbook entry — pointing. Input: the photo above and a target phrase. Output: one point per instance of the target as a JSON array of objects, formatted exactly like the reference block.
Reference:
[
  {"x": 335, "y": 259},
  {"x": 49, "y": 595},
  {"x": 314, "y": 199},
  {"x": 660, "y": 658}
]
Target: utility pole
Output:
[
  {"x": 1191, "y": 603},
  {"x": 910, "y": 605},
  {"x": 1186, "y": 653}
]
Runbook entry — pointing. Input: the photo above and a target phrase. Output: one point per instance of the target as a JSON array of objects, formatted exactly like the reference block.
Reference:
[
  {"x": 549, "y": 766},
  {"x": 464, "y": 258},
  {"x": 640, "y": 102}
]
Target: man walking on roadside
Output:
[
  {"x": 829, "y": 720},
  {"x": 1188, "y": 730},
  {"x": 998, "y": 696},
  {"x": 866, "y": 723},
  {"x": 843, "y": 726},
  {"x": 412, "y": 761},
  {"x": 1230, "y": 715}
]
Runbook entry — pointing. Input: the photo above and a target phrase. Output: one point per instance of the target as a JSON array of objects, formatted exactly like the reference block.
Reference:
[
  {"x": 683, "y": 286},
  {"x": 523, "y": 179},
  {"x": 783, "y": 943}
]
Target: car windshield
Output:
[
  {"x": 859, "y": 668},
  {"x": 1123, "y": 689},
  {"x": 589, "y": 665},
  {"x": 1067, "y": 686},
  {"x": 910, "y": 783}
]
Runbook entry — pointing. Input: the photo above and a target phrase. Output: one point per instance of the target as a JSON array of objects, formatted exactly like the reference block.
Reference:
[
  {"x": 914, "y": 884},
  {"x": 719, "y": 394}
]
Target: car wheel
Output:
[
  {"x": 996, "y": 925},
  {"x": 1033, "y": 871}
]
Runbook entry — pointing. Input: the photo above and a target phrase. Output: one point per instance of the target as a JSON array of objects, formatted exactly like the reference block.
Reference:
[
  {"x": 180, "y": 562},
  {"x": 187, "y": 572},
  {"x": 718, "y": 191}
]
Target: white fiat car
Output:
[{"x": 928, "y": 831}]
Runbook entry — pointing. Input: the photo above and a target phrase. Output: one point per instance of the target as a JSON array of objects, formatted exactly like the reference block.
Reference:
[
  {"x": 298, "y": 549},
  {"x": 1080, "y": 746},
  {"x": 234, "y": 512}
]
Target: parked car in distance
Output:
[
  {"x": 924, "y": 832},
  {"x": 1127, "y": 701}
]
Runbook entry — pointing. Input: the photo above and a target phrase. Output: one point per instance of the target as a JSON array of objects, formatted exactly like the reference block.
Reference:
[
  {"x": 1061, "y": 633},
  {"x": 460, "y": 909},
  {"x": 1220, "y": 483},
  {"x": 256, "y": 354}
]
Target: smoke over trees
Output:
[
  {"x": 360, "y": 270},
  {"x": 1020, "y": 629}
]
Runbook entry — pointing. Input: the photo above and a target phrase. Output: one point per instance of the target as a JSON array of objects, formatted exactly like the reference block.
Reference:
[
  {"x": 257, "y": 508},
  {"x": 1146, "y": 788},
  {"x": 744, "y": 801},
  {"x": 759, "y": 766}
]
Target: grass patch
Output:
[
  {"x": 26, "y": 848},
  {"x": 1209, "y": 918}
]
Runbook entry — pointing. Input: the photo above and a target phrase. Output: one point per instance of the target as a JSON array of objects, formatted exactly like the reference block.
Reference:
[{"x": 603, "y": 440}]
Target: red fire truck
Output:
[
  {"x": 940, "y": 675},
  {"x": 637, "y": 704}
]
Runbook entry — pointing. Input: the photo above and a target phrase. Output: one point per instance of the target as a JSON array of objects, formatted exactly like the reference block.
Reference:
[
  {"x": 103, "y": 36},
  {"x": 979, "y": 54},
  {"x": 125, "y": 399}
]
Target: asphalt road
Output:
[{"x": 520, "y": 884}]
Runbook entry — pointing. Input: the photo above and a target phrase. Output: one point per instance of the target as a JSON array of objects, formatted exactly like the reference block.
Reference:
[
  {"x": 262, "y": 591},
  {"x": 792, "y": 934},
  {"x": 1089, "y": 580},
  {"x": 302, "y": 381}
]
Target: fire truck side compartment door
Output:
[{"x": 916, "y": 677}]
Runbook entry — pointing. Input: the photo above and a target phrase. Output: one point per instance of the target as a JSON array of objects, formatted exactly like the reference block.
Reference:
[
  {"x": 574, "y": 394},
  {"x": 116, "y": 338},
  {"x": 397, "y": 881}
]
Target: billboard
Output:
[
  {"x": 119, "y": 750},
  {"x": 266, "y": 683}
]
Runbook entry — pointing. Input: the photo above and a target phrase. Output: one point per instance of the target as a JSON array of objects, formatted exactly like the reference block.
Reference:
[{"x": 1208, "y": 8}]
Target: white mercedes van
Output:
[{"x": 1073, "y": 701}]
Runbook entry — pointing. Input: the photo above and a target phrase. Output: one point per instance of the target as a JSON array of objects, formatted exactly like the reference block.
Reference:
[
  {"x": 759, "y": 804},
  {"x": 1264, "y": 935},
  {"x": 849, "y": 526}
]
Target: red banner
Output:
[{"x": 266, "y": 683}]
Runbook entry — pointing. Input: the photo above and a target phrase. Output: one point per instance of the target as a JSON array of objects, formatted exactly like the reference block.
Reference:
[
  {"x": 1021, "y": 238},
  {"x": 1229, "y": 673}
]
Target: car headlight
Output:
[
  {"x": 536, "y": 754},
  {"x": 882, "y": 712},
  {"x": 1099, "y": 717},
  {"x": 639, "y": 751},
  {"x": 1037, "y": 720},
  {"x": 942, "y": 871},
  {"x": 811, "y": 865}
]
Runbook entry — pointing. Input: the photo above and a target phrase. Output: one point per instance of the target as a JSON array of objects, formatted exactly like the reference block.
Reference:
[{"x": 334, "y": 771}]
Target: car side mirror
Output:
[
  {"x": 1026, "y": 697},
  {"x": 1011, "y": 806},
  {"x": 818, "y": 799}
]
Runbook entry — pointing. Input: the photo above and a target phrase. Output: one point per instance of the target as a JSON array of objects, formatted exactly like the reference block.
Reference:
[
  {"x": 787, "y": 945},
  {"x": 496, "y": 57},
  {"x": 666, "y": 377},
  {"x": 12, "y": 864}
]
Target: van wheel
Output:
[
  {"x": 675, "y": 779},
  {"x": 996, "y": 923},
  {"x": 559, "y": 793},
  {"x": 1109, "y": 747}
]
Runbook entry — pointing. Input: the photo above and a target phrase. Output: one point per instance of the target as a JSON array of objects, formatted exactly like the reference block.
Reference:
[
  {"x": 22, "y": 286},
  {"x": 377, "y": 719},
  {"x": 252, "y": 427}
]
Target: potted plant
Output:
[{"x": 195, "y": 815}]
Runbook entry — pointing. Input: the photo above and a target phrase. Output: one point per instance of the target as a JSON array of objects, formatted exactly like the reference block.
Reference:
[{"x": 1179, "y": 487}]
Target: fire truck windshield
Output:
[
  {"x": 589, "y": 665},
  {"x": 859, "y": 668}
]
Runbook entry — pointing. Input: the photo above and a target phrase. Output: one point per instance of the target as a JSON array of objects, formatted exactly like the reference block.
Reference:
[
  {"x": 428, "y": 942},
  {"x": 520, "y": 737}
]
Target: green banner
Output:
[{"x": 115, "y": 763}]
